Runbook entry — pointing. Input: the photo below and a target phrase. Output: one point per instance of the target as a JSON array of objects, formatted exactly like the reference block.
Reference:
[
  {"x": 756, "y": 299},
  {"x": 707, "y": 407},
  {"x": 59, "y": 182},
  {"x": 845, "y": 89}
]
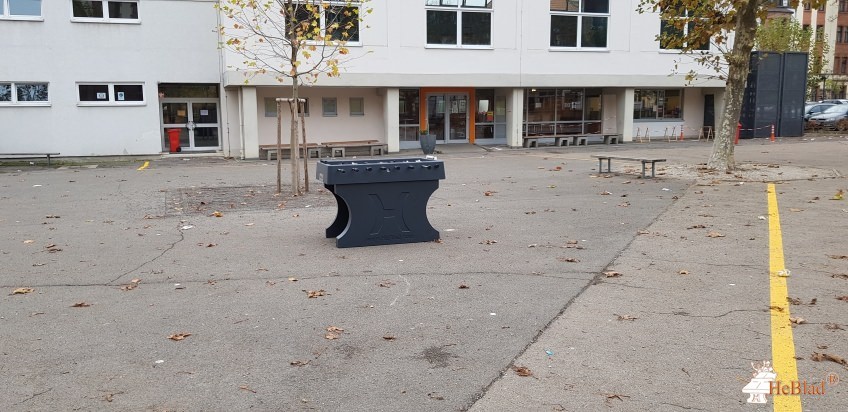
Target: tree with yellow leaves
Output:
[{"x": 293, "y": 40}]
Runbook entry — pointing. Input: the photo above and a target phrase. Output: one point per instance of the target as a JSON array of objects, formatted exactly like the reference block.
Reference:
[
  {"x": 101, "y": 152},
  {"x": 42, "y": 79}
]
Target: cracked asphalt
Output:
[{"x": 120, "y": 259}]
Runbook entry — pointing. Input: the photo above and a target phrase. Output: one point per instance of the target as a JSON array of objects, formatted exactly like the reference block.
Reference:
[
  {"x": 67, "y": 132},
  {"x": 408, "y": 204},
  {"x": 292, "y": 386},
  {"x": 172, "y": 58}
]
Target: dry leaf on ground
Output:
[
  {"x": 80, "y": 305},
  {"x": 22, "y": 291},
  {"x": 315, "y": 293},
  {"x": 179, "y": 336},
  {"x": 714, "y": 234},
  {"x": 522, "y": 371},
  {"x": 818, "y": 357}
]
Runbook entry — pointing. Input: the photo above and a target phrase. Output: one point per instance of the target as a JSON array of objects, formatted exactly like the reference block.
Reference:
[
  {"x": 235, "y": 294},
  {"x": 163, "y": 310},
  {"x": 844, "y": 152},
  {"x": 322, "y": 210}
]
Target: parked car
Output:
[
  {"x": 815, "y": 108},
  {"x": 835, "y": 117}
]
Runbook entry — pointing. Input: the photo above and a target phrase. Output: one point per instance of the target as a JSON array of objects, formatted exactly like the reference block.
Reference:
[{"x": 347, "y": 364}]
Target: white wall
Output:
[{"x": 62, "y": 52}]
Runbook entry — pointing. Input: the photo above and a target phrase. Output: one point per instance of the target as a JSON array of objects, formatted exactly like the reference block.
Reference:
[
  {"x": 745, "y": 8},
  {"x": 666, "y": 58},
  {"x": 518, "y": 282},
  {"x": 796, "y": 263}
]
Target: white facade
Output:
[{"x": 164, "y": 46}]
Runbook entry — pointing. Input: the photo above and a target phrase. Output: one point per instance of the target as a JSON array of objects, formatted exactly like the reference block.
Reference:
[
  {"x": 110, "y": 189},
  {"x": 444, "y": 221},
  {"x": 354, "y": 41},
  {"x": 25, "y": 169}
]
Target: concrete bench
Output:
[
  {"x": 25, "y": 155},
  {"x": 643, "y": 160}
]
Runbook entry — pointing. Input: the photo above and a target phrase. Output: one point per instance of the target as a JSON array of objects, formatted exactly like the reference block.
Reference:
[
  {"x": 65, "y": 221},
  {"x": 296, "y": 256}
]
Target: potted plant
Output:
[{"x": 428, "y": 141}]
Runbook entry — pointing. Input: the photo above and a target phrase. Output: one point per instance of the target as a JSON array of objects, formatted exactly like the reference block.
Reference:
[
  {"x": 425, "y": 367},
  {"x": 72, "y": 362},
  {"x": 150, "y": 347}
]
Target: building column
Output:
[
  {"x": 249, "y": 122},
  {"x": 624, "y": 115},
  {"x": 391, "y": 119},
  {"x": 514, "y": 118}
]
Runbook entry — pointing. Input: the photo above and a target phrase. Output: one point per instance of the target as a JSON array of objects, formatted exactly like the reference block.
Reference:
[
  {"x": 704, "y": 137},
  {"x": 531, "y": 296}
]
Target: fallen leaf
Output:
[
  {"x": 612, "y": 274},
  {"x": 818, "y": 357},
  {"x": 315, "y": 293},
  {"x": 299, "y": 363},
  {"x": 714, "y": 234},
  {"x": 246, "y": 388},
  {"x": 522, "y": 371},
  {"x": 217, "y": 214},
  {"x": 683, "y": 272},
  {"x": 569, "y": 259},
  {"x": 22, "y": 291},
  {"x": 80, "y": 305},
  {"x": 798, "y": 320},
  {"x": 626, "y": 317},
  {"x": 179, "y": 336},
  {"x": 389, "y": 337}
]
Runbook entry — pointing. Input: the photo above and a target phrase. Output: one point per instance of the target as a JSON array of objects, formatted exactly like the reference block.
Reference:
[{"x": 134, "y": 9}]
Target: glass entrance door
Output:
[
  {"x": 197, "y": 120},
  {"x": 447, "y": 117}
]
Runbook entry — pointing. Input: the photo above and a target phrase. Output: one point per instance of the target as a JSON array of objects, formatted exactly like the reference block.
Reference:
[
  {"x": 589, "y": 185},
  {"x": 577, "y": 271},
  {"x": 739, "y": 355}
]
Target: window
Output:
[
  {"x": 459, "y": 23},
  {"x": 657, "y": 104},
  {"x": 329, "y": 107},
  {"x": 338, "y": 20},
  {"x": 20, "y": 9},
  {"x": 105, "y": 11},
  {"x": 357, "y": 106},
  {"x": 24, "y": 93},
  {"x": 271, "y": 107},
  {"x": 579, "y": 23},
  {"x": 129, "y": 94},
  {"x": 673, "y": 33}
]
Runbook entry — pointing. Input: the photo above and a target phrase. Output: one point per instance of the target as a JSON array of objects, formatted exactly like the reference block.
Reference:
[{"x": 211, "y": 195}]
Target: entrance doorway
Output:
[
  {"x": 447, "y": 117},
  {"x": 197, "y": 119}
]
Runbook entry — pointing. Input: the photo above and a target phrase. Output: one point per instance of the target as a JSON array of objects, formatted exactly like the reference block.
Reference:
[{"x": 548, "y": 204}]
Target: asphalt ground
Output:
[{"x": 121, "y": 259}]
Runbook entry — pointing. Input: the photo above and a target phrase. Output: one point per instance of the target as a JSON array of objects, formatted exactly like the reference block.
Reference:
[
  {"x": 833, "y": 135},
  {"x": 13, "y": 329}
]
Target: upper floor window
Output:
[
  {"x": 317, "y": 20},
  {"x": 459, "y": 22},
  {"x": 24, "y": 93},
  {"x": 20, "y": 9},
  {"x": 674, "y": 33},
  {"x": 105, "y": 11},
  {"x": 579, "y": 23}
]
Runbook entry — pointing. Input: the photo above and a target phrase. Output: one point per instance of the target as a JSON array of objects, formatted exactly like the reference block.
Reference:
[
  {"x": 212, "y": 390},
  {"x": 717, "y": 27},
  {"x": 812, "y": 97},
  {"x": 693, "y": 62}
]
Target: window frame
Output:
[
  {"x": 362, "y": 105},
  {"x": 6, "y": 8},
  {"x": 580, "y": 15},
  {"x": 324, "y": 112},
  {"x": 459, "y": 9},
  {"x": 111, "y": 95},
  {"x": 322, "y": 21},
  {"x": 664, "y": 100},
  {"x": 13, "y": 90},
  {"x": 106, "y": 18}
]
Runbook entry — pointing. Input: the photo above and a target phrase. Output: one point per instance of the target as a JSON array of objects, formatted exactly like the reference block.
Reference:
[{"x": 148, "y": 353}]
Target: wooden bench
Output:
[
  {"x": 375, "y": 148},
  {"x": 271, "y": 149},
  {"x": 643, "y": 160},
  {"x": 41, "y": 154}
]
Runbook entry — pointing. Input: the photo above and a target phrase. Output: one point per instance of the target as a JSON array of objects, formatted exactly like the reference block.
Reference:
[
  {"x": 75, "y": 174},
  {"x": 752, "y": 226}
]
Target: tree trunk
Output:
[
  {"x": 295, "y": 170},
  {"x": 721, "y": 158},
  {"x": 279, "y": 147}
]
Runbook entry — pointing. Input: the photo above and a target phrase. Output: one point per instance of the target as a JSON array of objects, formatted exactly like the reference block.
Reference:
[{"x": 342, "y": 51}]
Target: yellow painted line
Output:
[
  {"x": 782, "y": 344},
  {"x": 144, "y": 166}
]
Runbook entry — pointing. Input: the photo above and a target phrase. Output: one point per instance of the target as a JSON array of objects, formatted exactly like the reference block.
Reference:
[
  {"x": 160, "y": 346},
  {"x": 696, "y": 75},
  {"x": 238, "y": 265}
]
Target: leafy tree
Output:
[
  {"x": 730, "y": 26},
  {"x": 788, "y": 35},
  {"x": 292, "y": 40}
]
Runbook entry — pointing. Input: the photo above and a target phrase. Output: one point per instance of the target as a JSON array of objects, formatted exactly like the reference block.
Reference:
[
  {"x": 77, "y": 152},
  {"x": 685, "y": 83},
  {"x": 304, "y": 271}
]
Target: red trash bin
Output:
[{"x": 174, "y": 140}]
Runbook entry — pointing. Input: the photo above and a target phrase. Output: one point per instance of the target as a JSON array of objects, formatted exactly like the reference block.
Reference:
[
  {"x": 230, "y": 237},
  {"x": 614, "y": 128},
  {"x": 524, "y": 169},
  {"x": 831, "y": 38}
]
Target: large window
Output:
[
  {"x": 24, "y": 93},
  {"x": 579, "y": 23},
  {"x": 126, "y": 94},
  {"x": 20, "y": 9},
  {"x": 558, "y": 112},
  {"x": 105, "y": 11},
  {"x": 338, "y": 20},
  {"x": 658, "y": 104},
  {"x": 674, "y": 32},
  {"x": 459, "y": 23},
  {"x": 408, "y": 115}
]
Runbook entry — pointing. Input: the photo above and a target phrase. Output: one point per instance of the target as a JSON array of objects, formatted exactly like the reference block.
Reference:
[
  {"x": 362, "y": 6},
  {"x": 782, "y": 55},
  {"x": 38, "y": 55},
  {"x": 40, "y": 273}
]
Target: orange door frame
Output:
[{"x": 471, "y": 113}]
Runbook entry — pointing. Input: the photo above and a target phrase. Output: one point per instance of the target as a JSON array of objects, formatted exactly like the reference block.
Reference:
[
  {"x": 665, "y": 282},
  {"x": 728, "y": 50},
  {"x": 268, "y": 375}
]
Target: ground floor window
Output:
[
  {"x": 661, "y": 104},
  {"x": 24, "y": 93},
  {"x": 556, "y": 112},
  {"x": 408, "y": 115}
]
